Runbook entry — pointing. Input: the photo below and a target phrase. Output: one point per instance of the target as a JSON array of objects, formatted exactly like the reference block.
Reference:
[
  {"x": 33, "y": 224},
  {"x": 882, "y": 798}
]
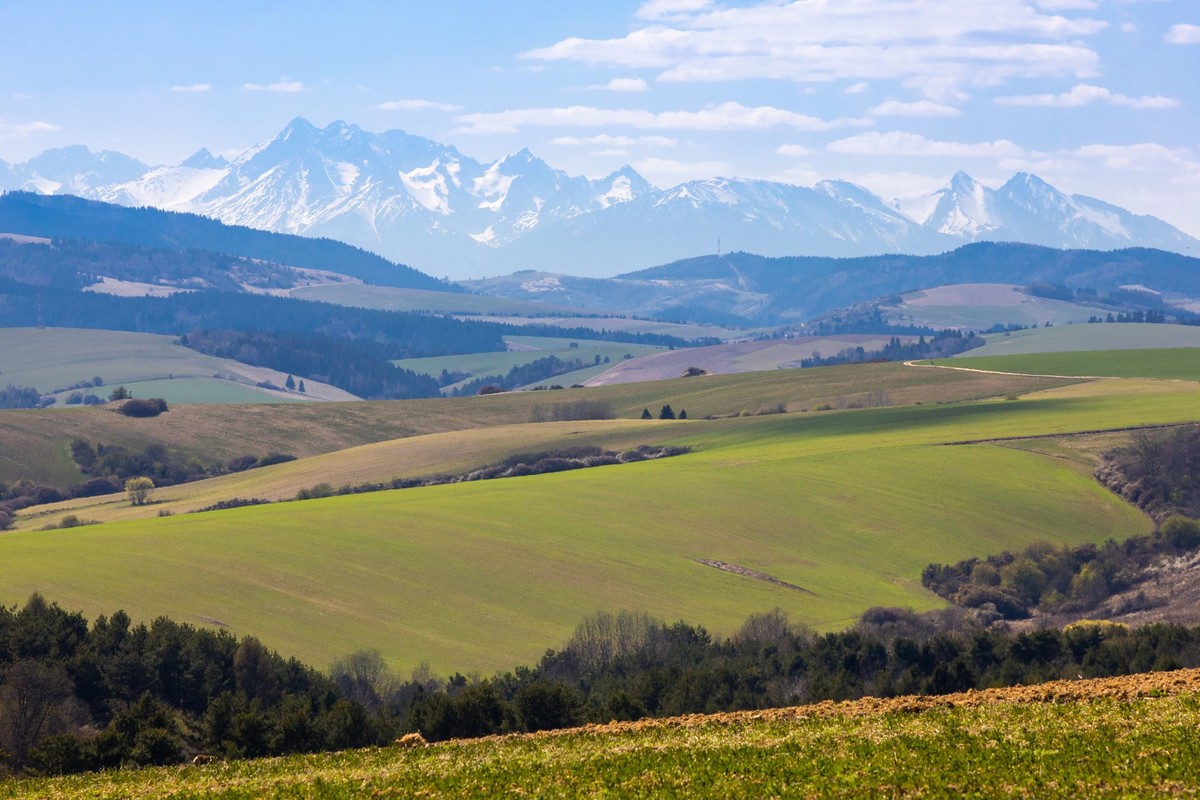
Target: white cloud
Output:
[
  {"x": 1086, "y": 94},
  {"x": 1183, "y": 34},
  {"x": 794, "y": 150},
  {"x": 607, "y": 140},
  {"x": 1040, "y": 163},
  {"x": 899, "y": 143},
  {"x": 19, "y": 130},
  {"x": 896, "y": 184},
  {"x": 658, "y": 9},
  {"x": 920, "y": 108},
  {"x": 722, "y": 117},
  {"x": 192, "y": 87},
  {"x": 669, "y": 171},
  {"x": 1067, "y": 5},
  {"x": 286, "y": 87},
  {"x": 416, "y": 105},
  {"x": 623, "y": 85},
  {"x": 858, "y": 88},
  {"x": 921, "y": 42},
  {"x": 1145, "y": 155},
  {"x": 23, "y": 96}
]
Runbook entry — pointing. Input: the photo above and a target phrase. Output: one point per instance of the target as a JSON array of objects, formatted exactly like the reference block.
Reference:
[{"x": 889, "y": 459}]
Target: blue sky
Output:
[{"x": 1097, "y": 96}]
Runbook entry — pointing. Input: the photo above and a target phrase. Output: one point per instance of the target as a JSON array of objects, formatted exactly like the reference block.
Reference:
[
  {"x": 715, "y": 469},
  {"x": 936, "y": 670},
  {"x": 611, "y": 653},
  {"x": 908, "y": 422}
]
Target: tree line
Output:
[
  {"x": 361, "y": 367},
  {"x": 77, "y": 696},
  {"x": 942, "y": 344}
]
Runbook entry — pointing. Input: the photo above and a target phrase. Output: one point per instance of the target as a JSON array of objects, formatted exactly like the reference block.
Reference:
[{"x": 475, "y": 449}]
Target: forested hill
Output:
[
  {"x": 808, "y": 286},
  {"x": 406, "y": 335},
  {"x": 66, "y": 217}
]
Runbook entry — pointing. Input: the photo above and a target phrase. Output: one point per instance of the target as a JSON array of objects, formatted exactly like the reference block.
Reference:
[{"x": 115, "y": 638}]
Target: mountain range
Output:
[{"x": 420, "y": 202}]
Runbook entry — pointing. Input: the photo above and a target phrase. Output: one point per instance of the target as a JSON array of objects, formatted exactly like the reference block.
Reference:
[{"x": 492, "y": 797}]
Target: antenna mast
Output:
[
  {"x": 41, "y": 322},
  {"x": 718, "y": 246}
]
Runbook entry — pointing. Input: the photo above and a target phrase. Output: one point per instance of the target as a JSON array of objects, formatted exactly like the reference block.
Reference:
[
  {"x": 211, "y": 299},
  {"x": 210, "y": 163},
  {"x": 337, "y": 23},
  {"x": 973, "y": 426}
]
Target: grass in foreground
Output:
[{"x": 1116, "y": 737}]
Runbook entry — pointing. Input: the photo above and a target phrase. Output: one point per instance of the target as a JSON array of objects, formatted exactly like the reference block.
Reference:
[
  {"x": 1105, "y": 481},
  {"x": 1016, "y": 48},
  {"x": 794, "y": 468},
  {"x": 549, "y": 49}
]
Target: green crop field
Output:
[
  {"x": 684, "y": 330},
  {"x": 1182, "y": 363},
  {"x": 1105, "y": 336},
  {"x": 980, "y": 306},
  {"x": 525, "y": 350},
  {"x": 35, "y": 444},
  {"x": 387, "y": 298},
  {"x": 848, "y": 506},
  {"x": 150, "y": 365},
  {"x": 1119, "y": 738}
]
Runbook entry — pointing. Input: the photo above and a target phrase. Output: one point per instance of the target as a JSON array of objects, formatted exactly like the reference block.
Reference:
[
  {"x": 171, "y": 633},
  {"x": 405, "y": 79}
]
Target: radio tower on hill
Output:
[
  {"x": 41, "y": 322},
  {"x": 718, "y": 246}
]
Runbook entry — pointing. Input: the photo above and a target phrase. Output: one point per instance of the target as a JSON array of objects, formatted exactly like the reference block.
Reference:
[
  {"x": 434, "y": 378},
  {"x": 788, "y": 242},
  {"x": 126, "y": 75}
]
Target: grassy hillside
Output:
[
  {"x": 148, "y": 364},
  {"x": 848, "y": 506},
  {"x": 524, "y": 350},
  {"x": 1117, "y": 737},
  {"x": 1106, "y": 336},
  {"x": 1176, "y": 364},
  {"x": 35, "y": 444},
  {"x": 982, "y": 305},
  {"x": 387, "y": 298}
]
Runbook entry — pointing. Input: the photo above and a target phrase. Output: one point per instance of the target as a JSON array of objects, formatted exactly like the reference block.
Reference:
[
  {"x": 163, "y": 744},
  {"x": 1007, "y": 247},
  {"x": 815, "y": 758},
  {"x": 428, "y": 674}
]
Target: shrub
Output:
[
  {"x": 138, "y": 407},
  {"x": 139, "y": 490}
]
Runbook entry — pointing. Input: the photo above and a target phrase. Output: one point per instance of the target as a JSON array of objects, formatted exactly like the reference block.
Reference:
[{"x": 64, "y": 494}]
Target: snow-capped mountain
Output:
[
  {"x": 1027, "y": 209},
  {"x": 420, "y": 202}
]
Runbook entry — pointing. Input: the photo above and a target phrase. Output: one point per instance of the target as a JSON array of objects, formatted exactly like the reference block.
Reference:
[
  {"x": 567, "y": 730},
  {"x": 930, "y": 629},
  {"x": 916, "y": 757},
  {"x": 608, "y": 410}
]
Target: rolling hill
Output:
[
  {"x": 149, "y": 365},
  {"x": 760, "y": 290},
  {"x": 847, "y": 506}
]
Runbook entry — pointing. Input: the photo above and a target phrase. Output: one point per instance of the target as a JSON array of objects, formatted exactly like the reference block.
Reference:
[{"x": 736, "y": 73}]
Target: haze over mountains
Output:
[{"x": 423, "y": 203}]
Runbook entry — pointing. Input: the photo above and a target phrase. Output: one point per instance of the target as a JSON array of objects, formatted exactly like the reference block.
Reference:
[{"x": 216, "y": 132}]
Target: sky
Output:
[{"x": 1098, "y": 97}]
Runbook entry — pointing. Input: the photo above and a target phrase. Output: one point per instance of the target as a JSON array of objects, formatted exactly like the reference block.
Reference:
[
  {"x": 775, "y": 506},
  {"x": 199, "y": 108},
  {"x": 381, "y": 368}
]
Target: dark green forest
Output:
[
  {"x": 66, "y": 217},
  {"x": 78, "y": 695}
]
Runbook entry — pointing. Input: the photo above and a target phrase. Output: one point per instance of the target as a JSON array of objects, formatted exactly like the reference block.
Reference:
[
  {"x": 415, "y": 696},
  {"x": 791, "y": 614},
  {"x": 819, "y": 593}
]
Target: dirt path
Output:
[{"x": 1015, "y": 374}]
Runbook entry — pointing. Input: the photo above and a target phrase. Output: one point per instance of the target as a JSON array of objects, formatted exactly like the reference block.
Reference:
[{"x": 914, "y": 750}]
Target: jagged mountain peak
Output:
[
  {"x": 416, "y": 200},
  {"x": 204, "y": 159}
]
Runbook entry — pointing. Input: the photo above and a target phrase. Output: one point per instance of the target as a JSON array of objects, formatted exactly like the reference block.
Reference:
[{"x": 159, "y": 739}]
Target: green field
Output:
[
  {"x": 35, "y": 444},
  {"x": 148, "y": 364},
  {"x": 524, "y": 350},
  {"x": 387, "y": 298},
  {"x": 1142, "y": 744},
  {"x": 980, "y": 306},
  {"x": 1105, "y": 336},
  {"x": 1181, "y": 363},
  {"x": 850, "y": 506},
  {"x": 684, "y": 330}
]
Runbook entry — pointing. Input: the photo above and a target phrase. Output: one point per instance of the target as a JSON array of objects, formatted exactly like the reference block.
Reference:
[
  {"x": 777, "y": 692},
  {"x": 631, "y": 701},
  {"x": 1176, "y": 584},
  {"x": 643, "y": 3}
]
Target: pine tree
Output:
[
  {"x": 646, "y": 414},
  {"x": 290, "y": 383},
  {"x": 667, "y": 412}
]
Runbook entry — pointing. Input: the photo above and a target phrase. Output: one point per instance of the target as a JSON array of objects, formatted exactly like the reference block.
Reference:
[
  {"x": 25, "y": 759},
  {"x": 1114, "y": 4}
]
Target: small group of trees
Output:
[
  {"x": 1047, "y": 579},
  {"x": 666, "y": 412}
]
